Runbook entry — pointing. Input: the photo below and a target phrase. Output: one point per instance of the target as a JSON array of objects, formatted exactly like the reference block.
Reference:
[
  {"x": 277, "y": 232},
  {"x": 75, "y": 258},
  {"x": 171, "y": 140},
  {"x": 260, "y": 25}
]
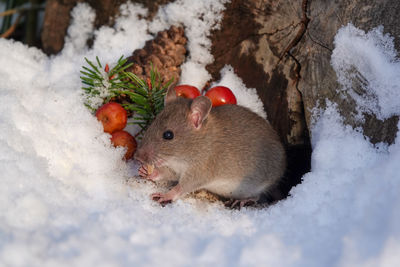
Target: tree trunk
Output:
[{"x": 319, "y": 81}]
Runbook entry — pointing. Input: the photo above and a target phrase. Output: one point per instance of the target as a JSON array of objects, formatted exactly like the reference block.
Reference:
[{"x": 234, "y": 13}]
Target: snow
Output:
[
  {"x": 199, "y": 18},
  {"x": 67, "y": 198},
  {"x": 81, "y": 28},
  {"x": 246, "y": 97},
  {"x": 370, "y": 60}
]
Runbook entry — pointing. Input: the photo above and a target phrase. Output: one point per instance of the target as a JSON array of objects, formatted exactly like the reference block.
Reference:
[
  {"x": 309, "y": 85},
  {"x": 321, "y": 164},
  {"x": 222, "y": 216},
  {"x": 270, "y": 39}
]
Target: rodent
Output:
[{"x": 227, "y": 150}]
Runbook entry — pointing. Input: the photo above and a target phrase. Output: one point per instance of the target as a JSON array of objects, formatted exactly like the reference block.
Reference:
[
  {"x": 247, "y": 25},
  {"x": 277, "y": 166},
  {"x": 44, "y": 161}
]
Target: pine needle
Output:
[{"x": 144, "y": 99}]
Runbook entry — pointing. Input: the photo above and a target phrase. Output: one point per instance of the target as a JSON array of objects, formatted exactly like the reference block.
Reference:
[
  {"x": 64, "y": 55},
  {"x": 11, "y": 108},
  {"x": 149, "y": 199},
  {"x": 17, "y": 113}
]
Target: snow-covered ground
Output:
[{"x": 64, "y": 195}]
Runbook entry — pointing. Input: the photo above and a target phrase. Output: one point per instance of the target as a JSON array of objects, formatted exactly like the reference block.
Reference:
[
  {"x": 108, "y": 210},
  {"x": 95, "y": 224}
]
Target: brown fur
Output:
[{"x": 234, "y": 153}]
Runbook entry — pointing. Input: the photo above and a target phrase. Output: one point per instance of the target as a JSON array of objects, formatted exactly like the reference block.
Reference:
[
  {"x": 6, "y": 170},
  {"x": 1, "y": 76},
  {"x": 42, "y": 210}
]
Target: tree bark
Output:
[
  {"x": 255, "y": 38},
  {"x": 319, "y": 81},
  {"x": 57, "y": 18},
  {"x": 283, "y": 49}
]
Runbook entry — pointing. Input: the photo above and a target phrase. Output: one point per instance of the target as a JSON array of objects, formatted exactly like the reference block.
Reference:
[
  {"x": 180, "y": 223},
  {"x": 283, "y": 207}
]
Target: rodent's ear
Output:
[
  {"x": 170, "y": 95},
  {"x": 199, "y": 110}
]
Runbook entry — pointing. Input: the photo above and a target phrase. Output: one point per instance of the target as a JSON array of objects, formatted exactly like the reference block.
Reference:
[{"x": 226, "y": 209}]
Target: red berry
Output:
[
  {"x": 113, "y": 117},
  {"x": 148, "y": 81},
  {"x": 187, "y": 91},
  {"x": 107, "y": 69},
  {"x": 124, "y": 139},
  {"x": 221, "y": 95}
]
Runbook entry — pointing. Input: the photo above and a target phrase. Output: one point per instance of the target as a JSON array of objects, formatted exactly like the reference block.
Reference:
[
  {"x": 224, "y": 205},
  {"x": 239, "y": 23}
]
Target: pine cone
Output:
[{"x": 166, "y": 52}]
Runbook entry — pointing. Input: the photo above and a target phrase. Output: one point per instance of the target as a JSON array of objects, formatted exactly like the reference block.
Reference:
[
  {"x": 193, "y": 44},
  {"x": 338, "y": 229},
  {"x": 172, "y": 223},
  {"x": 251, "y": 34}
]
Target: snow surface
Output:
[
  {"x": 370, "y": 60},
  {"x": 246, "y": 97},
  {"x": 67, "y": 198}
]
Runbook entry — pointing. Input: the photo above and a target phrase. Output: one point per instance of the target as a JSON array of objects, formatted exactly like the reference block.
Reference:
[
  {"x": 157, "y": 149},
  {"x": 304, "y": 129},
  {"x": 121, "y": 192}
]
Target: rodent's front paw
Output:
[
  {"x": 149, "y": 172},
  {"x": 162, "y": 198}
]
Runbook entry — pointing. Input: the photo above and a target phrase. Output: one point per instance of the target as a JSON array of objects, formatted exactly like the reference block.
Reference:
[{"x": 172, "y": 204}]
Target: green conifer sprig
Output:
[
  {"x": 147, "y": 97},
  {"x": 144, "y": 99},
  {"x": 100, "y": 84}
]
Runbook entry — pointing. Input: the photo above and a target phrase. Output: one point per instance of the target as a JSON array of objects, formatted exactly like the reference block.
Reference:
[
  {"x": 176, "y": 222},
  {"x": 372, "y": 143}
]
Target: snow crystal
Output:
[
  {"x": 367, "y": 66},
  {"x": 80, "y": 30},
  {"x": 94, "y": 101},
  {"x": 130, "y": 32},
  {"x": 194, "y": 74},
  {"x": 67, "y": 198},
  {"x": 246, "y": 97}
]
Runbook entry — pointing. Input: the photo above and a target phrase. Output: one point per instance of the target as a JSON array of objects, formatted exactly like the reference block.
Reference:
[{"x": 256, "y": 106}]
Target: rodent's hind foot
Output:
[
  {"x": 161, "y": 198},
  {"x": 240, "y": 203},
  {"x": 165, "y": 198}
]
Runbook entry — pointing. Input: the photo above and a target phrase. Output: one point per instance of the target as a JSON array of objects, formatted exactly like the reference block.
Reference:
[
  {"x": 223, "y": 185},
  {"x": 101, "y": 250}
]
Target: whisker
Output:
[{"x": 160, "y": 160}]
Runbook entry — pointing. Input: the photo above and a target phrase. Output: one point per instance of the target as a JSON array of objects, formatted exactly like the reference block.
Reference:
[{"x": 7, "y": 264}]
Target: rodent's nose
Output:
[
  {"x": 144, "y": 154},
  {"x": 141, "y": 155}
]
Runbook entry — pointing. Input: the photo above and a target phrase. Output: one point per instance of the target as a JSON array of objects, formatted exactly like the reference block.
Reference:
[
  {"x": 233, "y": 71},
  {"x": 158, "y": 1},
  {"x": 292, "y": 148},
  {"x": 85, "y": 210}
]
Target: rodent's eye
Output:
[{"x": 168, "y": 135}]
